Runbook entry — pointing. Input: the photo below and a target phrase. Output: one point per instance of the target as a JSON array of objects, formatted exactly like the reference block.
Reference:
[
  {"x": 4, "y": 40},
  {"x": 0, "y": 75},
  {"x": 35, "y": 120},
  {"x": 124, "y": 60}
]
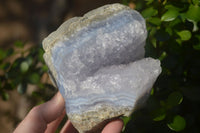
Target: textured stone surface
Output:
[{"x": 96, "y": 62}]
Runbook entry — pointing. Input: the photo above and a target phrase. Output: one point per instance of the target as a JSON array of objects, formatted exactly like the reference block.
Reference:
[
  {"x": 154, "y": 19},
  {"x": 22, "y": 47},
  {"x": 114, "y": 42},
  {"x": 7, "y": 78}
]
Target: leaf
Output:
[
  {"x": 193, "y": 13},
  {"x": 160, "y": 117},
  {"x": 149, "y": 12},
  {"x": 169, "y": 30},
  {"x": 159, "y": 114},
  {"x": 179, "y": 41},
  {"x": 45, "y": 68},
  {"x": 170, "y": 15},
  {"x": 163, "y": 55},
  {"x": 34, "y": 78},
  {"x": 125, "y": 121},
  {"x": 24, "y": 66},
  {"x": 174, "y": 99},
  {"x": 155, "y": 21},
  {"x": 185, "y": 35},
  {"x": 171, "y": 7},
  {"x": 177, "y": 124},
  {"x": 195, "y": 23},
  {"x": 5, "y": 96}
]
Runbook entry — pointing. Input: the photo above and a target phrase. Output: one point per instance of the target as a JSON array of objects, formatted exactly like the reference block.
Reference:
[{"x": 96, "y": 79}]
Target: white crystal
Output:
[{"x": 96, "y": 62}]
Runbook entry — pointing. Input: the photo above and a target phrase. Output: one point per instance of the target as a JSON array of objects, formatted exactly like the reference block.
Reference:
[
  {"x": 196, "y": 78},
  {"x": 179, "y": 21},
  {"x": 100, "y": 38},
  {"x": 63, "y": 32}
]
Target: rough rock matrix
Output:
[{"x": 97, "y": 62}]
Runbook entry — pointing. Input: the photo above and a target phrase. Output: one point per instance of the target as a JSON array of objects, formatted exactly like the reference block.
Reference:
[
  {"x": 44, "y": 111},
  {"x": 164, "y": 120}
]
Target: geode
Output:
[{"x": 97, "y": 62}]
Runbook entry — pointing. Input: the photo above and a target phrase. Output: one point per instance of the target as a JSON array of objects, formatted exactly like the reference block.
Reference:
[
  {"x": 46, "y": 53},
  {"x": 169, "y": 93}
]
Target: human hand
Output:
[{"x": 45, "y": 118}]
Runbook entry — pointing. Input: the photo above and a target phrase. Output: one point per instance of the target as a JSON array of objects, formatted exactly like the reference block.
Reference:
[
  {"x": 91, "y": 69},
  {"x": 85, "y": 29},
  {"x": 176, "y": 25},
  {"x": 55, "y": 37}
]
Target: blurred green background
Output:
[{"x": 173, "y": 37}]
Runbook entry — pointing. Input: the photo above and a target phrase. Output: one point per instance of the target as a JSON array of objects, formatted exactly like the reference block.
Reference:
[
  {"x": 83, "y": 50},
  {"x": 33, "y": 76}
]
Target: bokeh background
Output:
[{"x": 173, "y": 37}]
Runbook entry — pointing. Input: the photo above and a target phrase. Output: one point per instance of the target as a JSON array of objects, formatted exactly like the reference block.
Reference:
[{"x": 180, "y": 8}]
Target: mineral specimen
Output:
[{"x": 97, "y": 62}]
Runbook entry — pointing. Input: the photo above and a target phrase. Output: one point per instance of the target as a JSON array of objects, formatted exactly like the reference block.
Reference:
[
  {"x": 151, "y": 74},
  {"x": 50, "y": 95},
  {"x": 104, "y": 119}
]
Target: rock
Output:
[{"x": 97, "y": 62}]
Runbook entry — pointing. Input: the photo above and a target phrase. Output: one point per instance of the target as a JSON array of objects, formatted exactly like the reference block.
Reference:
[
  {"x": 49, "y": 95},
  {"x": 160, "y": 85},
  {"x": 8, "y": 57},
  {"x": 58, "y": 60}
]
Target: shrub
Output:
[
  {"x": 28, "y": 68},
  {"x": 174, "y": 38}
]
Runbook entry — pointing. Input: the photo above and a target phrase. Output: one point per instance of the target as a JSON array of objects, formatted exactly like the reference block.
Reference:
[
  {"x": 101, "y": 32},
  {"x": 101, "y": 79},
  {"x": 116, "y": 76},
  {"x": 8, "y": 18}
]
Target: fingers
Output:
[
  {"x": 113, "y": 127},
  {"x": 51, "y": 127},
  {"x": 37, "y": 119},
  {"x": 46, "y": 118},
  {"x": 52, "y": 109},
  {"x": 68, "y": 128}
]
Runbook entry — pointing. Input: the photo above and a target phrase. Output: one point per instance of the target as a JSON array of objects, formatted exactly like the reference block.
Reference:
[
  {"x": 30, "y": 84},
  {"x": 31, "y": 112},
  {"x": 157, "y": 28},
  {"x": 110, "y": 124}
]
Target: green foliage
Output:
[
  {"x": 193, "y": 13},
  {"x": 149, "y": 12},
  {"x": 177, "y": 124},
  {"x": 184, "y": 35},
  {"x": 170, "y": 15},
  {"x": 174, "y": 38},
  {"x": 20, "y": 68}
]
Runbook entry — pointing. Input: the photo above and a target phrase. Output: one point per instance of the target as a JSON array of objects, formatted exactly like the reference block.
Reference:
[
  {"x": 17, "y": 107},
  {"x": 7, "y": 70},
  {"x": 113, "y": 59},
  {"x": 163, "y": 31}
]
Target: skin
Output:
[{"x": 45, "y": 118}]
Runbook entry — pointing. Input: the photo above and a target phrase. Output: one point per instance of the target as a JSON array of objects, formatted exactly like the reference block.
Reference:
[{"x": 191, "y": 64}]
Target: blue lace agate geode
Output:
[{"x": 97, "y": 62}]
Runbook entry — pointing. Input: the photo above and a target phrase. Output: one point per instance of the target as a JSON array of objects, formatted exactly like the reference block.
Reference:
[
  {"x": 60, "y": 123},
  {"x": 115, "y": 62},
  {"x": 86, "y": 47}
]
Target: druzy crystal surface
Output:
[{"x": 97, "y": 62}]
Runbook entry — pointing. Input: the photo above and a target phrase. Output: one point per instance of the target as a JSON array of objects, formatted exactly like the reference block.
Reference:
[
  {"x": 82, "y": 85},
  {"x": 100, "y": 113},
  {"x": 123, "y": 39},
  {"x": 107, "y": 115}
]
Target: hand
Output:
[{"x": 46, "y": 117}]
